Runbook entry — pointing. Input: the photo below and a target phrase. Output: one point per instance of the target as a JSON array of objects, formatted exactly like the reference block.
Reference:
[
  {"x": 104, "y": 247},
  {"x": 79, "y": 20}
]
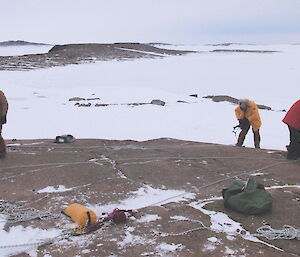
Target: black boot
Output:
[
  {"x": 2, "y": 148},
  {"x": 256, "y": 139}
]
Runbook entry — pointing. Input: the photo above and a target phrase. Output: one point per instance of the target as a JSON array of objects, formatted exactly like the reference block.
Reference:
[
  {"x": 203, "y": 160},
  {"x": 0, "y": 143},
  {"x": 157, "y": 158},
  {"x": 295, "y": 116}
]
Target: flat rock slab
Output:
[{"x": 187, "y": 176}]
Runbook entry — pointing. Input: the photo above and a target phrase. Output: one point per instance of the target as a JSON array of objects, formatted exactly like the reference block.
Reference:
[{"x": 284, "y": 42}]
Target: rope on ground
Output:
[
  {"x": 64, "y": 235},
  {"x": 202, "y": 227},
  {"x": 287, "y": 232},
  {"x": 217, "y": 182},
  {"x": 185, "y": 232},
  {"x": 17, "y": 213},
  {"x": 38, "y": 243},
  {"x": 193, "y": 158},
  {"x": 45, "y": 165},
  {"x": 133, "y": 159}
]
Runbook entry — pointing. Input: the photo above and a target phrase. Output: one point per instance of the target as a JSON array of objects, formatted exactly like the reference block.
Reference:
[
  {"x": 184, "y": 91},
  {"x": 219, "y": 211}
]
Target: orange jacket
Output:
[
  {"x": 251, "y": 114},
  {"x": 3, "y": 104}
]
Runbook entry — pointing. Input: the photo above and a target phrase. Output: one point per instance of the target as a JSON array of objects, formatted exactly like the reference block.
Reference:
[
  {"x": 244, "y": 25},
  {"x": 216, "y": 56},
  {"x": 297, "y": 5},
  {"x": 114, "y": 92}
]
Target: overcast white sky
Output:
[{"x": 170, "y": 21}]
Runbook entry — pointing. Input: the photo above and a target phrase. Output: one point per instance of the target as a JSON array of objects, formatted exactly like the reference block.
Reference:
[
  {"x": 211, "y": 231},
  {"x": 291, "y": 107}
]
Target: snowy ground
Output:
[
  {"x": 20, "y": 239},
  {"x": 39, "y": 106}
]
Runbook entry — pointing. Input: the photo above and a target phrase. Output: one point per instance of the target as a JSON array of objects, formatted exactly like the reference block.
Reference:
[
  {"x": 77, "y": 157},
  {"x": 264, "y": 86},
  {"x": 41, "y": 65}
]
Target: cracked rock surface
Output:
[{"x": 100, "y": 173}]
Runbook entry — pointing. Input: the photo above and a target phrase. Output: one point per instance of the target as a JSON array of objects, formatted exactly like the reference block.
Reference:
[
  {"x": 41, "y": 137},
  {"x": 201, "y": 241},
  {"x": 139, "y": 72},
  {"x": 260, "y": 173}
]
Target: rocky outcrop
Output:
[
  {"x": 20, "y": 43},
  {"x": 226, "y": 98},
  {"x": 61, "y": 55},
  {"x": 243, "y": 51},
  {"x": 158, "y": 102}
]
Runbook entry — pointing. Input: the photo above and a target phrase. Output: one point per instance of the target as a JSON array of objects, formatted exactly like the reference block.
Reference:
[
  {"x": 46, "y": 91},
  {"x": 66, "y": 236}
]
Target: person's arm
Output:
[
  {"x": 253, "y": 114},
  {"x": 3, "y": 107},
  {"x": 239, "y": 113}
]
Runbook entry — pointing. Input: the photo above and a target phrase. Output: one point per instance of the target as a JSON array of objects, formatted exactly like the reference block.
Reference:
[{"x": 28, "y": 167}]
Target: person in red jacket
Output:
[
  {"x": 292, "y": 120},
  {"x": 3, "y": 112}
]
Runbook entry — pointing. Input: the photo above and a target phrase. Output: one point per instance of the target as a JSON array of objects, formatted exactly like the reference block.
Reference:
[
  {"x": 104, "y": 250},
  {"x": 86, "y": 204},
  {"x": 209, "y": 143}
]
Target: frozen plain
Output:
[{"x": 39, "y": 106}]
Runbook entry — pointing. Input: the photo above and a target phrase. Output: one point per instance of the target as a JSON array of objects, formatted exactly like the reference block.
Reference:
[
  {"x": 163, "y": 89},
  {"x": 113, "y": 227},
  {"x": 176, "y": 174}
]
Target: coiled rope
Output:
[
  {"x": 287, "y": 232},
  {"x": 16, "y": 213}
]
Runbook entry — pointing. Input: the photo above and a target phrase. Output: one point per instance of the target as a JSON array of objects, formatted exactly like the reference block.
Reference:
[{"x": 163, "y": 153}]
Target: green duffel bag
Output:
[{"x": 251, "y": 198}]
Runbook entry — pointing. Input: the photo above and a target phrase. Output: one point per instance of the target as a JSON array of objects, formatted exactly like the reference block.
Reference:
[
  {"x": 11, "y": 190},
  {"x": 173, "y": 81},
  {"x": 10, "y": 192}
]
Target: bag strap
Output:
[{"x": 89, "y": 218}]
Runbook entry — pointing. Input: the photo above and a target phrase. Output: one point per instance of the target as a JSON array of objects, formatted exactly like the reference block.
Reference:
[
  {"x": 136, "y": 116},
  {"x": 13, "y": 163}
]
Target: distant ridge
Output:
[
  {"x": 231, "y": 44},
  {"x": 20, "y": 43},
  {"x": 61, "y": 55}
]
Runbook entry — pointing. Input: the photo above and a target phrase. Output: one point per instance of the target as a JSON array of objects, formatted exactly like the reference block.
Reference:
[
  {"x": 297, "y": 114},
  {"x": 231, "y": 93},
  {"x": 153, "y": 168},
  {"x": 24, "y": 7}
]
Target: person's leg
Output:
[
  {"x": 256, "y": 135},
  {"x": 298, "y": 144},
  {"x": 2, "y": 144},
  {"x": 294, "y": 146},
  {"x": 242, "y": 135}
]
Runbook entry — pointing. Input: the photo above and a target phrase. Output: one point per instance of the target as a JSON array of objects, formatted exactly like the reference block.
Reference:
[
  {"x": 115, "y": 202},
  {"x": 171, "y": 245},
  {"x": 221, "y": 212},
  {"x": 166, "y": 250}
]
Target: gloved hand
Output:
[
  {"x": 3, "y": 119},
  {"x": 244, "y": 123}
]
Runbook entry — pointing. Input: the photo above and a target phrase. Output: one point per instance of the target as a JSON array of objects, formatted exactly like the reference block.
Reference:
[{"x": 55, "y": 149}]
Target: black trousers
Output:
[
  {"x": 294, "y": 146},
  {"x": 2, "y": 144},
  {"x": 243, "y": 133}
]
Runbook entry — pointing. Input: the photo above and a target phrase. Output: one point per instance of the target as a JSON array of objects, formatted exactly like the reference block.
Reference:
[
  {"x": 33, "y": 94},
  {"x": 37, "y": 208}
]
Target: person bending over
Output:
[{"x": 247, "y": 114}]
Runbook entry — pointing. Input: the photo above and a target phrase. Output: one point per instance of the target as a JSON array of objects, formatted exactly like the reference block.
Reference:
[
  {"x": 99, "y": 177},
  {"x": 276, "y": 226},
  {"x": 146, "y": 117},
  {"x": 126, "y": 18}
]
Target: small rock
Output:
[
  {"x": 94, "y": 98},
  {"x": 101, "y": 105},
  {"x": 83, "y": 105},
  {"x": 194, "y": 95},
  {"x": 76, "y": 99},
  {"x": 158, "y": 102}
]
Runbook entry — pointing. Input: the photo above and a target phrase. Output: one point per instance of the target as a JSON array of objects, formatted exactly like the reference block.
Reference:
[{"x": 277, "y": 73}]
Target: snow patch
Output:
[
  {"x": 130, "y": 239},
  {"x": 213, "y": 239},
  {"x": 167, "y": 248},
  {"x": 17, "y": 236},
  {"x": 144, "y": 197},
  {"x": 284, "y": 186},
  {"x": 221, "y": 223},
  {"x": 148, "y": 218},
  {"x": 51, "y": 189}
]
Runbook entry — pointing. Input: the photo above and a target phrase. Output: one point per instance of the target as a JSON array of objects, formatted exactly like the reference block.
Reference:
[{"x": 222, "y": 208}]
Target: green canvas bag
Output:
[{"x": 251, "y": 198}]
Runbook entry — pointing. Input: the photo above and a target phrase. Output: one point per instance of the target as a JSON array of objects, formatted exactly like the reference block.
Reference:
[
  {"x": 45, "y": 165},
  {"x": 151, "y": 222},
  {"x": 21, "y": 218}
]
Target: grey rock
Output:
[
  {"x": 158, "y": 102},
  {"x": 76, "y": 99}
]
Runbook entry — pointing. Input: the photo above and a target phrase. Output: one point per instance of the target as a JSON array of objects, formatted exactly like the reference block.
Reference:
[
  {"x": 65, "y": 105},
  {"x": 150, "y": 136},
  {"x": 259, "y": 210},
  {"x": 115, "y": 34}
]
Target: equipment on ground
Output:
[
  {"x": 251, "y": 198},
  {"x": 287, "y": 232},
  {"x": 80, "y": 214},
  {"x": 64, "y": 139}
]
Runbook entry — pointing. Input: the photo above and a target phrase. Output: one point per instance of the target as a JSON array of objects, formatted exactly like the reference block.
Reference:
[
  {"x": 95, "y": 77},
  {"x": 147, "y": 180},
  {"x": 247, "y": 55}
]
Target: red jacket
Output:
[{"x": 292, "y": 118}]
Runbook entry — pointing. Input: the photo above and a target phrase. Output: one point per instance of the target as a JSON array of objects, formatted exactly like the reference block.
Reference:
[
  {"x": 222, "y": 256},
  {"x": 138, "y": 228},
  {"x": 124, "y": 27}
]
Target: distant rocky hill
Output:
[
  {"x": 61, "y": 55},
  {"x": 20, "y": 43}
]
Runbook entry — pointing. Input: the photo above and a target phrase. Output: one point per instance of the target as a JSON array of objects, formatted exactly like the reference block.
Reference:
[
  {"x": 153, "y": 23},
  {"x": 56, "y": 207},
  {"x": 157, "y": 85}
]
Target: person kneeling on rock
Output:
[
  {"x": 3, "y": 112},
  {"x": 247, "y": 114},
  {"x": 292, "y": 120}
]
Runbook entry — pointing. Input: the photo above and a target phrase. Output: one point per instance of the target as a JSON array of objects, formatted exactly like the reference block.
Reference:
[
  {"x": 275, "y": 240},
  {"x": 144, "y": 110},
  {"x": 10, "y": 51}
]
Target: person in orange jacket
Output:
[
  {"x": 3, "y": 112},
  {"x": 247, "y": 114},
  {"x": 292, "y": 120}
]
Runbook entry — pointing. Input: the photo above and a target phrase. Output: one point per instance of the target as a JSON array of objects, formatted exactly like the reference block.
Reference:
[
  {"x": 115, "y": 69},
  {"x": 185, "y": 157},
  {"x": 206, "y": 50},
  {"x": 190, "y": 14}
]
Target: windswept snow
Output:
[
  {"x": 21, "y": 239},
  {"x": 51, "y": 189},
  {"x": 144, "y": 197}
]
